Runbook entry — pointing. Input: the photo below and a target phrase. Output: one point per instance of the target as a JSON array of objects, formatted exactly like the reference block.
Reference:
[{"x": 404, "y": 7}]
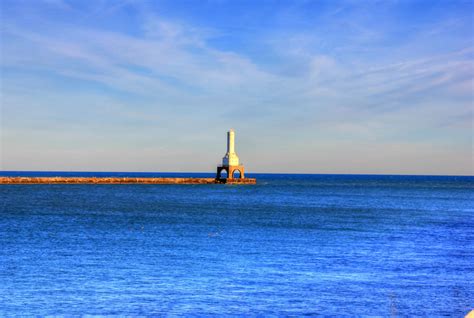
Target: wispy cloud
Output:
[{"x": 332, "y": 79}]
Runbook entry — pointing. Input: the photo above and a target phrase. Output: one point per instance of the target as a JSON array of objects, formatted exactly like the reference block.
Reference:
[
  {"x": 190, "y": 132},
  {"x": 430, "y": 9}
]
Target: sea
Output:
[{"x": 292, "y": 245}]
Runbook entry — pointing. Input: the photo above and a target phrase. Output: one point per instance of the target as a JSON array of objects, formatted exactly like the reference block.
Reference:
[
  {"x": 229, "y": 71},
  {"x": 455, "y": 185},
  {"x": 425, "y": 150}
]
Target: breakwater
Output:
[{"x": 124, "y": 180}]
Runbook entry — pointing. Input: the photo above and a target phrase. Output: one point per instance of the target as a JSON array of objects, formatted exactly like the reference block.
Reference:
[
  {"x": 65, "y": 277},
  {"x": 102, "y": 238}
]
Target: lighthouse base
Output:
[{"x": 233, "y": 172}]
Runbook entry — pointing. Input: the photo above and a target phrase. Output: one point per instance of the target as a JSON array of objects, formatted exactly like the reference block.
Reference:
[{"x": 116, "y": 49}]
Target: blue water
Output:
[{"x": 291, "y": 245}]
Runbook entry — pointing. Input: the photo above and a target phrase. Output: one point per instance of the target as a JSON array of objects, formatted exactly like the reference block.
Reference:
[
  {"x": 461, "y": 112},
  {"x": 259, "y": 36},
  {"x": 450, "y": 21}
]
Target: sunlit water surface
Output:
[{"x": 293, "y": 244}]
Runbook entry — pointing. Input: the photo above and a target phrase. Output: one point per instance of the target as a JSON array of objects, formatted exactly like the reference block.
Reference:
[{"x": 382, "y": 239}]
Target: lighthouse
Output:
[
  {"x": 230, "y": 162},
  {"x": 230, "y": 158}
]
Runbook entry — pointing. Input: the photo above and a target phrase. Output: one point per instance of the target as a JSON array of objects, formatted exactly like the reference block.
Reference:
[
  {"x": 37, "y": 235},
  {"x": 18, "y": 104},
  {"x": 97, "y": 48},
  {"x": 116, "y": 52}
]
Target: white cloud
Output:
[{"x": 181, "y": 79}]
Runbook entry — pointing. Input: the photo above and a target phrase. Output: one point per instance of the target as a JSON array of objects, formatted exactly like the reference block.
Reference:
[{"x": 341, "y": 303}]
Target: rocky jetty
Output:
[{"x": 125, "y": 180}]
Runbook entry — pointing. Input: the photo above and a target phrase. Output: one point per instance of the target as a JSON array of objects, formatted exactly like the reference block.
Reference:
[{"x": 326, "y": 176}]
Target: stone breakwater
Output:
[{"x": 115, "y": 180}]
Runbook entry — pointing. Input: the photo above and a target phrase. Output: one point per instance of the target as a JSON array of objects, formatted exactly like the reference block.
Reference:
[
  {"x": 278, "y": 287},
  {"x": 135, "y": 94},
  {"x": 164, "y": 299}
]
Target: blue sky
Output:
[{"x": 309, "y": 86}]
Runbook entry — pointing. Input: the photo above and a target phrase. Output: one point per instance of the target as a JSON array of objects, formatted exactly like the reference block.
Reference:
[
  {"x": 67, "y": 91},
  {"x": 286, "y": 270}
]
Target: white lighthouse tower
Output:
[
  {"x": 230, "y": 162},
  {"x": 230, "y": 158}
]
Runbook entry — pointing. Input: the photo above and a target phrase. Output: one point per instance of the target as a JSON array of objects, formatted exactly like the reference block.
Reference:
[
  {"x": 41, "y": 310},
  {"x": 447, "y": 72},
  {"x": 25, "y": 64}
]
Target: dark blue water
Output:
[{"x": 291, "y": 245}]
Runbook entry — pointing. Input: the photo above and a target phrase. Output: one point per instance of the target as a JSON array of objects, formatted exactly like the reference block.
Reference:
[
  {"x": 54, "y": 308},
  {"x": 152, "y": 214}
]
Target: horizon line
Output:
[{"x": 250, "y": 173}]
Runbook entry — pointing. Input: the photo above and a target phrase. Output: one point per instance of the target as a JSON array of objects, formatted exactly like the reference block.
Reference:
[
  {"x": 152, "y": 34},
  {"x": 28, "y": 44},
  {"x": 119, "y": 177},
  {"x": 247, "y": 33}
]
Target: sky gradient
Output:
[{"x": 381, "y": 87}]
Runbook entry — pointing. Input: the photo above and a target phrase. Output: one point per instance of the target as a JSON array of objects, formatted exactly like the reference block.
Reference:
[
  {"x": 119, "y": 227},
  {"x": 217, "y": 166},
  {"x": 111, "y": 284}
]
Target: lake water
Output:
[{"x": 290, "y": 245}]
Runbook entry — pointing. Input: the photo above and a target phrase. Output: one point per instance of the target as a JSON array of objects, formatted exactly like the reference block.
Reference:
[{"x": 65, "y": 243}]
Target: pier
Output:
[
  {"x": 126, "y": 180},
  {"x": 230, "y": 172}
]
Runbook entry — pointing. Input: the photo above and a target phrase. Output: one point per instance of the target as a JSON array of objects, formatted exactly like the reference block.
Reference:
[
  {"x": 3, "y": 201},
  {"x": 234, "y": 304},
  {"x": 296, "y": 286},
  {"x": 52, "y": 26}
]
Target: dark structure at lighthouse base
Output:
[{"x": 233, "y": 174}]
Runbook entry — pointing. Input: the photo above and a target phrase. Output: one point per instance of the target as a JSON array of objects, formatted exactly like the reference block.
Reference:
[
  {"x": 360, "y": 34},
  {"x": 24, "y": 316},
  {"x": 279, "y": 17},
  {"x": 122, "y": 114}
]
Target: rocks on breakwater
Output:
[{"x": 115, "y": 180}]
